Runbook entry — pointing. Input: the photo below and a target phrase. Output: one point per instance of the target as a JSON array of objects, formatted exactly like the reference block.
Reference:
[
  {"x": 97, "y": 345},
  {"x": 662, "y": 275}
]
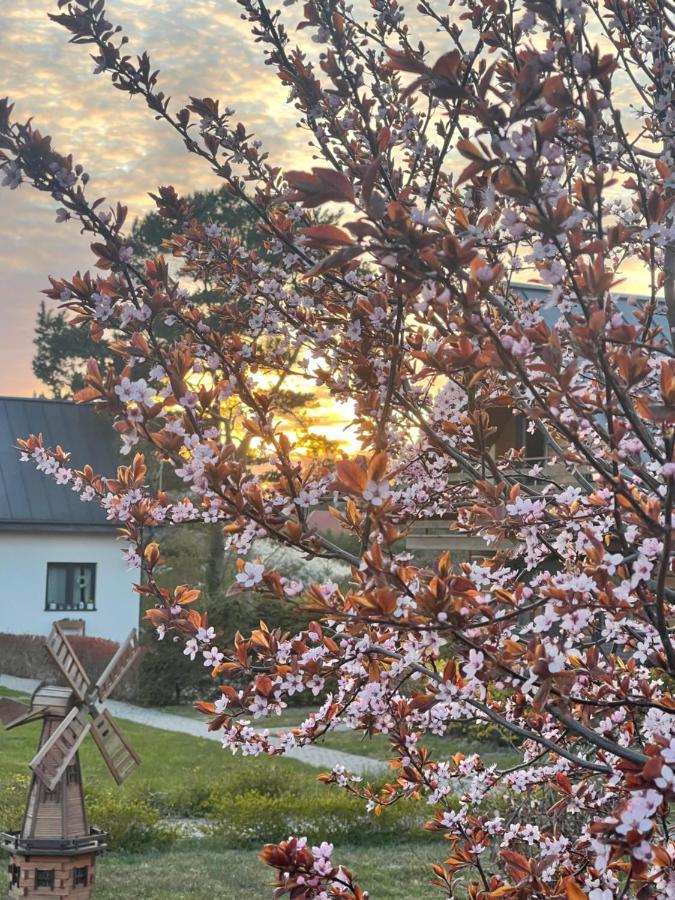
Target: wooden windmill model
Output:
[{"x": 54, "y": 853}]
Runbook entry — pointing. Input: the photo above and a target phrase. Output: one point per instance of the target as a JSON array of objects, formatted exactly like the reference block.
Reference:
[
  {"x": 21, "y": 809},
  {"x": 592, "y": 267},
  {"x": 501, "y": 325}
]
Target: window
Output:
[
  {"x": 71, "y": 586},
  {"x": 72, "y": 775},
  {"x": 81, "y": 876},
  {"x": 15, "y": 875},
  {"x": 535, "y": 445},
  {"x": 533, "y": 441},
  {"x": 44, "y": 878}
]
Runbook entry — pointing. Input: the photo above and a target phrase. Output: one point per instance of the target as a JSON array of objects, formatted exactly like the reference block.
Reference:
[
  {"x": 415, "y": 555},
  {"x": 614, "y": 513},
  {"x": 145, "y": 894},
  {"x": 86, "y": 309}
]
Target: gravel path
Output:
[{"x": 321, "y": 757}]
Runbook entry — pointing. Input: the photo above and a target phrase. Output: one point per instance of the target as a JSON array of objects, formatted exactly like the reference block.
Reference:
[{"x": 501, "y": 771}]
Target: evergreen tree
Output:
[{"x": 62, "y": 349}]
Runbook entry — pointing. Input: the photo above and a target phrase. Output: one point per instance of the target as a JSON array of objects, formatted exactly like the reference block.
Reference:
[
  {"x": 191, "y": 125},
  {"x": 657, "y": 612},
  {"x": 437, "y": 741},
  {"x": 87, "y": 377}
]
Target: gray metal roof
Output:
[
  {"x": 551, "y": 314},
  {"x": 32, "y": 500}
]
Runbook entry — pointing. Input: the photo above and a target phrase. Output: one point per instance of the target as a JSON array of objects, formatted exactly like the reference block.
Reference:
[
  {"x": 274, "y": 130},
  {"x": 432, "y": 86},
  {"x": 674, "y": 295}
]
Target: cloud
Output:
[{"x": 201, "y": 50}]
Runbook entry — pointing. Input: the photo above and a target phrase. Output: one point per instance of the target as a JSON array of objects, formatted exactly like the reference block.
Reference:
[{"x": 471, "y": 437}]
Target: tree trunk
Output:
[
  {"x": 215, "y": 562},
  {"x": 669, "y": 289}
]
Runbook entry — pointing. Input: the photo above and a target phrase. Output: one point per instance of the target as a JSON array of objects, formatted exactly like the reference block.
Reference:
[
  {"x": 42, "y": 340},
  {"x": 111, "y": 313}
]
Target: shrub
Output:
[
  {"x": 267, "y": 804},
  {"x": 479, "y": 732},
  {"x": 256, "y": 816},
  {"x": 131, "y": 823},
  {"x": 181, "y": 800},
  {"x": 26, "y": 656},
  {"x": 165, "y": 676},
  {"x": 12, "y": 801}
]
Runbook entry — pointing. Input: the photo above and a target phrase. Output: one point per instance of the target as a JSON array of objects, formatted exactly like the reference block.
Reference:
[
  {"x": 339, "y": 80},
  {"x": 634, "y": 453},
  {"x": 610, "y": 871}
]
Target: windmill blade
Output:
[
  {"x": 14, "y": 713},
  {"x": 64, "y": 657},
  {"x": 58, "y": 751},
  {"x": 118, "y": 666},
  {"x": 119, "y": 757}
]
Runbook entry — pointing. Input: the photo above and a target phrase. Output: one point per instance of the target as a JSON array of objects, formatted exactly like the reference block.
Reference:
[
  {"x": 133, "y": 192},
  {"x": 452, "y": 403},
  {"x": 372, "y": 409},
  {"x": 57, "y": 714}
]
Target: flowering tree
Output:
[{"x": 528, "y": 137}]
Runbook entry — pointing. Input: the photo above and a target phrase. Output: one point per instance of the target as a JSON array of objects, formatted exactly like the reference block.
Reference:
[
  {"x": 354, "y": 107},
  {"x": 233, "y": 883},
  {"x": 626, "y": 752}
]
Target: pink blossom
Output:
[
  {"x": 251, "y": 574},
  {"x": 212, "y": 656}
]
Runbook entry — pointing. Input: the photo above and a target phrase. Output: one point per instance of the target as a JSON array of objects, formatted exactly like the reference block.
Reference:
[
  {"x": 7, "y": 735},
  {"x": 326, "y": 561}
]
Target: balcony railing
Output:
[{"x": 94, "y": 842}]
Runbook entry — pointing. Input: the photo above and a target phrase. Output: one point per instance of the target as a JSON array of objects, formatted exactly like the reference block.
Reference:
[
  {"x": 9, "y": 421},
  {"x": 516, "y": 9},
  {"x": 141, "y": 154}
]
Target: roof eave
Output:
[{"x": 32, "y": 526}]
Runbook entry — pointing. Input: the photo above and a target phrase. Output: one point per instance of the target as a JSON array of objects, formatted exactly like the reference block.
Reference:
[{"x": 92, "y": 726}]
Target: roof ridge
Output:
[
  {"x": 64, "y": 400},
  {"x": 29, "y": 496}
]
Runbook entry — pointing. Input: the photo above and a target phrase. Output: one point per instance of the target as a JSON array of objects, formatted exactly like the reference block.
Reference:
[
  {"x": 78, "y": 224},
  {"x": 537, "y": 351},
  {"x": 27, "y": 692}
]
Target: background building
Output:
[
  {"x": 434, "y": 535},
  {"x": 59, "y": 557}
]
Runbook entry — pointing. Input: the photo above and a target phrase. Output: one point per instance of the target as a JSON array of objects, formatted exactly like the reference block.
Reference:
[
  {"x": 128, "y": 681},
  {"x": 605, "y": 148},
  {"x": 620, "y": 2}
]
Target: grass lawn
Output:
[
  {"x": 174, "y": 767},
  {"x": 378, "y": 747},
  {"x": 246, "y": 801},
  {"x": 15, "y": 695},
  {"x": 204, "y": 871}
]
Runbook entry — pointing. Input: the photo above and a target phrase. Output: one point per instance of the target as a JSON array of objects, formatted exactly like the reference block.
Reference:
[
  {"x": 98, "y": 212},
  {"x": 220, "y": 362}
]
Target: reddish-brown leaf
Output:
[
  {"x": 327, "y": 236},
  {"x": 320, "y": 186}
]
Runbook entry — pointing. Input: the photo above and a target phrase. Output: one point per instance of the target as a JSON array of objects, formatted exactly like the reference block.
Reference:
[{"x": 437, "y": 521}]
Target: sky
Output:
[{"x": 202, "y": 49}]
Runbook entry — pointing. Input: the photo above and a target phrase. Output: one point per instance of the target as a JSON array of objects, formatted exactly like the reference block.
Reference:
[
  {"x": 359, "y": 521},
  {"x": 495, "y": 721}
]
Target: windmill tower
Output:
[{"x": 54, "y": 854}]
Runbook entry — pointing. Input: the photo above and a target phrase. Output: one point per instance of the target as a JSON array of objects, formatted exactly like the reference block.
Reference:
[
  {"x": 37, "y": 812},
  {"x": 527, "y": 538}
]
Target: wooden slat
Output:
[
  {"x": 118, "y": 666},
  {"x": 64, "y": 657},
  {"x": 119, "y": 757},
  {"x": 59, "y": 750},
  {"x": 75, "y": 821}
]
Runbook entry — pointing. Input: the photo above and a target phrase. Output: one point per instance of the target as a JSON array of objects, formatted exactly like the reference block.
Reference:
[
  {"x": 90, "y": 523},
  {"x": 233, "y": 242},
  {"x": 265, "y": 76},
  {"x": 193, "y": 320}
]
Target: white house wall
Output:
[{"x": 23, "y": 574}]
